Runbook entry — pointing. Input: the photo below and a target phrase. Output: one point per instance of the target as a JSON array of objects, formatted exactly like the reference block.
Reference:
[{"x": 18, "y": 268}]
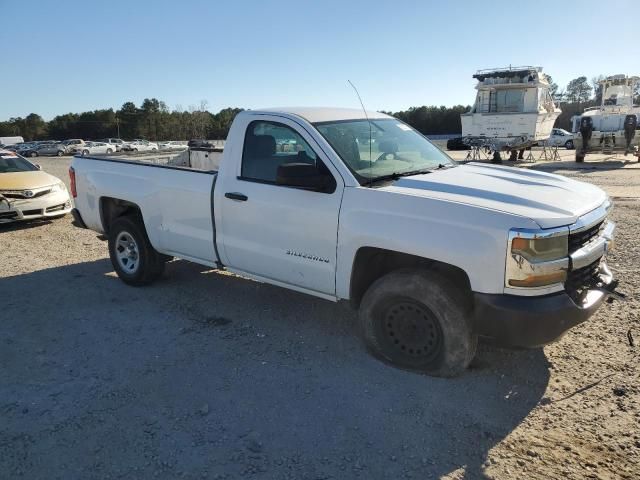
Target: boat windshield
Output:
[{"x": 392, "y": 149}]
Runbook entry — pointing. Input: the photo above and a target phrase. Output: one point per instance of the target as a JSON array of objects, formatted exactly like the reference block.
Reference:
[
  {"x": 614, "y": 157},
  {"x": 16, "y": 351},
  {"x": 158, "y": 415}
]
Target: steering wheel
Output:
[{"x": 389, "y": 147}]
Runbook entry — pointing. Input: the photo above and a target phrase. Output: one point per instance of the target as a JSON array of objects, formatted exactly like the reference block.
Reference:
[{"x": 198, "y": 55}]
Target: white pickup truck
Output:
[{"x": 344, "y": 207}]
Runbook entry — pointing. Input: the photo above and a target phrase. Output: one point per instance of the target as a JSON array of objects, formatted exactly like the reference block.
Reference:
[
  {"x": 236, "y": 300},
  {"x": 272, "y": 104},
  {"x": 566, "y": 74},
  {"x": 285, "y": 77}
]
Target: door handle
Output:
[{"x": 236, "y": 196}]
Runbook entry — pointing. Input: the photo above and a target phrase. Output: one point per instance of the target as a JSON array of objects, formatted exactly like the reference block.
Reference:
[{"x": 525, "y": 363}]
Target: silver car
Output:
[{"x": 51, "y": 149}]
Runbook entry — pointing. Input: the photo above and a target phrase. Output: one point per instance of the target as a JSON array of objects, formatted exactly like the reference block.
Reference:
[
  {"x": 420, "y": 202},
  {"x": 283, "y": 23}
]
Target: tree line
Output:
[{"x": 154, "y": 121}]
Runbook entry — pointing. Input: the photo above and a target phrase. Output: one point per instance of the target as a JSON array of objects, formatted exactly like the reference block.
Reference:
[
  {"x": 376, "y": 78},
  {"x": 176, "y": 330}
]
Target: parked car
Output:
[
  {"x": 560, "y": 138},
  {"x": 118, "y": 143},
  {"x": 51, "y": 149},
  {"x": 172, "y": 145},
  {"x": 199, "y": 143},
  {"x": 28, "y": 193},
  {"x": 73, "y": 145},
  {"x": 433, "y": 253},
  {"x": 14, "y": 148},
  {"x": 456, "y": 143},
  {"x": 92, "y": 148},
  {"x": 30, "y": 150},
  {"x": 140, "y": 146}
]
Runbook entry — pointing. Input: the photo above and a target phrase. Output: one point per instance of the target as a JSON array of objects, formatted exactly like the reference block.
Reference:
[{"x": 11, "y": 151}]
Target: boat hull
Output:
[
  {"x": 608, "y": 131},
  {"x": 507, "y": 130},
  {"x": 610, "y": 141}
]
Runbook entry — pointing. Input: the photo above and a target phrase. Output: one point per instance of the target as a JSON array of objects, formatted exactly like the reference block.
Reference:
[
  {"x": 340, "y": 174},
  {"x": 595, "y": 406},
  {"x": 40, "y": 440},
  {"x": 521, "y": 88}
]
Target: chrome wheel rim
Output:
[{"x": 127, "y": 253}]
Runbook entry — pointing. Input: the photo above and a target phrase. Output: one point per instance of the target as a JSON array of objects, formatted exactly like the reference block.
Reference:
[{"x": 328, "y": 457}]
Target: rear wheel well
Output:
[
  {"x": 113, "y": 208},
  {"x": 372, "y": 263}
]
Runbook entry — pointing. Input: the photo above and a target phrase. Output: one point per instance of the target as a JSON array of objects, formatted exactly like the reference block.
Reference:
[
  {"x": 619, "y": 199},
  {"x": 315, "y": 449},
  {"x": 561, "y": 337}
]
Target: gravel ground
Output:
[{"x": 207, "y": 375}]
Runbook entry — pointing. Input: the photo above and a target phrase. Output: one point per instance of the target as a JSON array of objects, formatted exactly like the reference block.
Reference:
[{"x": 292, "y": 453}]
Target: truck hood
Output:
[
  {"x": 547, "y": 199},
  {"x": 26, "y": 180}
]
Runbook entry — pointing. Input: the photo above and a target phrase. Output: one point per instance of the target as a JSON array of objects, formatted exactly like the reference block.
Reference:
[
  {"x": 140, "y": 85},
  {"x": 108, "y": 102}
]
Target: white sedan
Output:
[
  {"x": 173, "y": 145},
  {"x": 91, "y": 148},
  {"x": 561, "y": 138},
  {"x": 140, "y": 146}
]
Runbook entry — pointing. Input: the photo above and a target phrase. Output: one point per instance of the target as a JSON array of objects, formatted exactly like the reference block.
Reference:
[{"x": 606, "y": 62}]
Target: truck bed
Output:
[
  {"x": 176, "y": 200},
  {"x": 199, "y": 159}
]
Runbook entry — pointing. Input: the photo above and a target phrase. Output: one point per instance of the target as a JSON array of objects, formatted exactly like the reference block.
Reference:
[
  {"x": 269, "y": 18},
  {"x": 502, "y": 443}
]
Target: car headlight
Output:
[
  {"x": 537, "y": 259},
  {"x": 59, "y": 187}
]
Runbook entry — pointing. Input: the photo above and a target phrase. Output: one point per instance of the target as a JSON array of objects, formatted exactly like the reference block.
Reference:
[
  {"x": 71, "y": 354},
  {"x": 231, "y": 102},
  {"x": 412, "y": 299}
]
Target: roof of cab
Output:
[{"x": 322, "y": 114}]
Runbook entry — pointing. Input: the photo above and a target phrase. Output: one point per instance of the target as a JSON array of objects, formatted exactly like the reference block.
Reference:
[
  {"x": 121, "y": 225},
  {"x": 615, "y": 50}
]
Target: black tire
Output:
[
  {"x": 109, "y": 151},
  {"x": 33, "y": 154},
  {"x": 85, "y": 152},
  {"x": 569, "y": 145},
  {"x": 150, "y": 263},
  {"x": 59, "y": 153},
  {"x": 419, "y": 320}
]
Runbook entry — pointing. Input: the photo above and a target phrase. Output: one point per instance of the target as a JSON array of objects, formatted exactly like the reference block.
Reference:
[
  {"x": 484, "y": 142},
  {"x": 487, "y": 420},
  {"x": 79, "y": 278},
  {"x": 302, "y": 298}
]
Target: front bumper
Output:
[
  {"x": 518, "y": 321},
  {"x": 50, "y": 205}
]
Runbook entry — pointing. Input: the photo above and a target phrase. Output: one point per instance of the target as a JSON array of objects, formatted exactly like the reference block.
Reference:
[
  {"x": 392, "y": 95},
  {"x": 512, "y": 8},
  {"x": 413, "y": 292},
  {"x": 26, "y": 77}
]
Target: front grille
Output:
[
  {"x": 56, "y": 208},
  {"x": 20, "y": 194},
  {"x": 26, "y": 213},
  {"x": 8, "y": 215},
  {"x": 580, "y": 239},
  {"x": 582, "y": 278}
]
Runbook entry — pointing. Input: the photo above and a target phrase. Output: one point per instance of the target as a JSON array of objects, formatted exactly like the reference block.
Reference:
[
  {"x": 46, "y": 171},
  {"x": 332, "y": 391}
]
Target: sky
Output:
[{"x": 72, "y": 56}]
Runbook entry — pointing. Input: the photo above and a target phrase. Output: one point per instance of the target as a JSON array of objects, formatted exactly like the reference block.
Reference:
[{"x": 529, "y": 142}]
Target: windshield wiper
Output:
[
  {"x": 398, "y": 175},
  {"x": 446, "y": 165}
]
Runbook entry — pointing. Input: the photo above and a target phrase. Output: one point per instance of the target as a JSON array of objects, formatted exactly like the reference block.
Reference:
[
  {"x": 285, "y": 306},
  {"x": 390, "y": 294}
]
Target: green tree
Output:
[
  {"x": 597, "y": 88},
  {"x": 553, "y": 86},
  {"x": 34, "y": 127},
  {"x": 128, "y": 117},
  {"x": 579, "y": 90}
]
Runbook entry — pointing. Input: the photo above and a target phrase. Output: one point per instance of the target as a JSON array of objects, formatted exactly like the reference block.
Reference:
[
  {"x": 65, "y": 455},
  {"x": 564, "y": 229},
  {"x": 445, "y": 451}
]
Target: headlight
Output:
[
  {"x": 540, "y": 249},
  {"x": 537, "y": 259},
  {"x": 59, "y": 187}
]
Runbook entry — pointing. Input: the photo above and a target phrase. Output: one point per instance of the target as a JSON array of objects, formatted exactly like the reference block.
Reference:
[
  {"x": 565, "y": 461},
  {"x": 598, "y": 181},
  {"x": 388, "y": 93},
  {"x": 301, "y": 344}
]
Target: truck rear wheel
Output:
[
  {"x": 417, "y": 319},
  {"x": 133, "y": 257}
]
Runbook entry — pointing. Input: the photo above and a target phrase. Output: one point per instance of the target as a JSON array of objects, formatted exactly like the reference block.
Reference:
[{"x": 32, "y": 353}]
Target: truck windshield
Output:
[{"x": 392, "y": 150}]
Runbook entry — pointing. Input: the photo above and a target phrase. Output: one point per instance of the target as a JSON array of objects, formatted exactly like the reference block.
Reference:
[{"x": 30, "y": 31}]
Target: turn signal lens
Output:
[{"x": 540, "y": 280}]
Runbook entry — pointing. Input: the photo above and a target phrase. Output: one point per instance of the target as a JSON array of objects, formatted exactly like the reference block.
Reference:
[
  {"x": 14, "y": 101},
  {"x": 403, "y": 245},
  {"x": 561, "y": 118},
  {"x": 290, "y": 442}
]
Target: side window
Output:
[{"x": 267, "y": 145}]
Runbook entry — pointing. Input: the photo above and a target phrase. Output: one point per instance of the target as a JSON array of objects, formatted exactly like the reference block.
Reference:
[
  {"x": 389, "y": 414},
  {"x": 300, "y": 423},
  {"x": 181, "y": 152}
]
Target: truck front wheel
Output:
[
  {"x": 417, "y": 319},
  {"x": 133, "y": 257}
]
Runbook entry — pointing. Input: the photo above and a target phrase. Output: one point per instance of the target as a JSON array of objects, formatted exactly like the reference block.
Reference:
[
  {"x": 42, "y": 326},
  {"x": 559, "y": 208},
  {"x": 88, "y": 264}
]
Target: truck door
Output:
[{"x": 273, "y": 230}]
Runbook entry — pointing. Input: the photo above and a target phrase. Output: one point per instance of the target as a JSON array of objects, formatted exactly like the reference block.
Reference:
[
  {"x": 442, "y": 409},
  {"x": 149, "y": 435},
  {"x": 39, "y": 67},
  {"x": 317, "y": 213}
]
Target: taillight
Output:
[{"x": 72, "y": 179}]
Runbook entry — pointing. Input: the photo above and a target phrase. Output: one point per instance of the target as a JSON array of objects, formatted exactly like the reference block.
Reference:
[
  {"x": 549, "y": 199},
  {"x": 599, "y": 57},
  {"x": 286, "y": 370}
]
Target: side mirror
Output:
[{"x": 304, "y": 175}]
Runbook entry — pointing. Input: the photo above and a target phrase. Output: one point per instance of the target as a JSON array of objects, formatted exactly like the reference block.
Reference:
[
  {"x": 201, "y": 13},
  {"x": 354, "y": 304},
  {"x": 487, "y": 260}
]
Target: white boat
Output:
[
  {"x": 513, "y": 110},
  {"x": 614, "y": 125}
]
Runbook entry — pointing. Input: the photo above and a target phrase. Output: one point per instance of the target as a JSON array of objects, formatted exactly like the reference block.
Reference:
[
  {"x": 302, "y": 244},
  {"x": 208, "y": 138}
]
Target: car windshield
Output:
[
  {"x": 13, "y": 163},
  {"x": 393, "y": 149}
]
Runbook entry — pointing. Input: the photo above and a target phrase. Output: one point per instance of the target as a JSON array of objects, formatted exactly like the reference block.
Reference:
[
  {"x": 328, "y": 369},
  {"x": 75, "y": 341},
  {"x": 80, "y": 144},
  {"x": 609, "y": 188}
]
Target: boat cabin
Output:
[
  {"x": 512, "y": 90},
  {"x": 618, "y": 91}
]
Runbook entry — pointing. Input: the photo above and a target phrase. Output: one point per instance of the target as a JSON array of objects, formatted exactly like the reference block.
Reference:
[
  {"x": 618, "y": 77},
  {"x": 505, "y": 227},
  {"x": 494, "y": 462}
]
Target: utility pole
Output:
[{"x": 118, "y": 126}]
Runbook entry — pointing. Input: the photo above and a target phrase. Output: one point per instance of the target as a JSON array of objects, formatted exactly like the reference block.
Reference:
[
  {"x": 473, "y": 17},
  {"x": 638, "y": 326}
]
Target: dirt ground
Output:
[{"x": 207, "y": 375}]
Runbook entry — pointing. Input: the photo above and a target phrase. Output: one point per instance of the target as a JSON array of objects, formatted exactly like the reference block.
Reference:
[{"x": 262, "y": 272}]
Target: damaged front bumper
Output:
[
  {"x": 51, "y": 205},
  {"x": 519, "y": 321}
]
